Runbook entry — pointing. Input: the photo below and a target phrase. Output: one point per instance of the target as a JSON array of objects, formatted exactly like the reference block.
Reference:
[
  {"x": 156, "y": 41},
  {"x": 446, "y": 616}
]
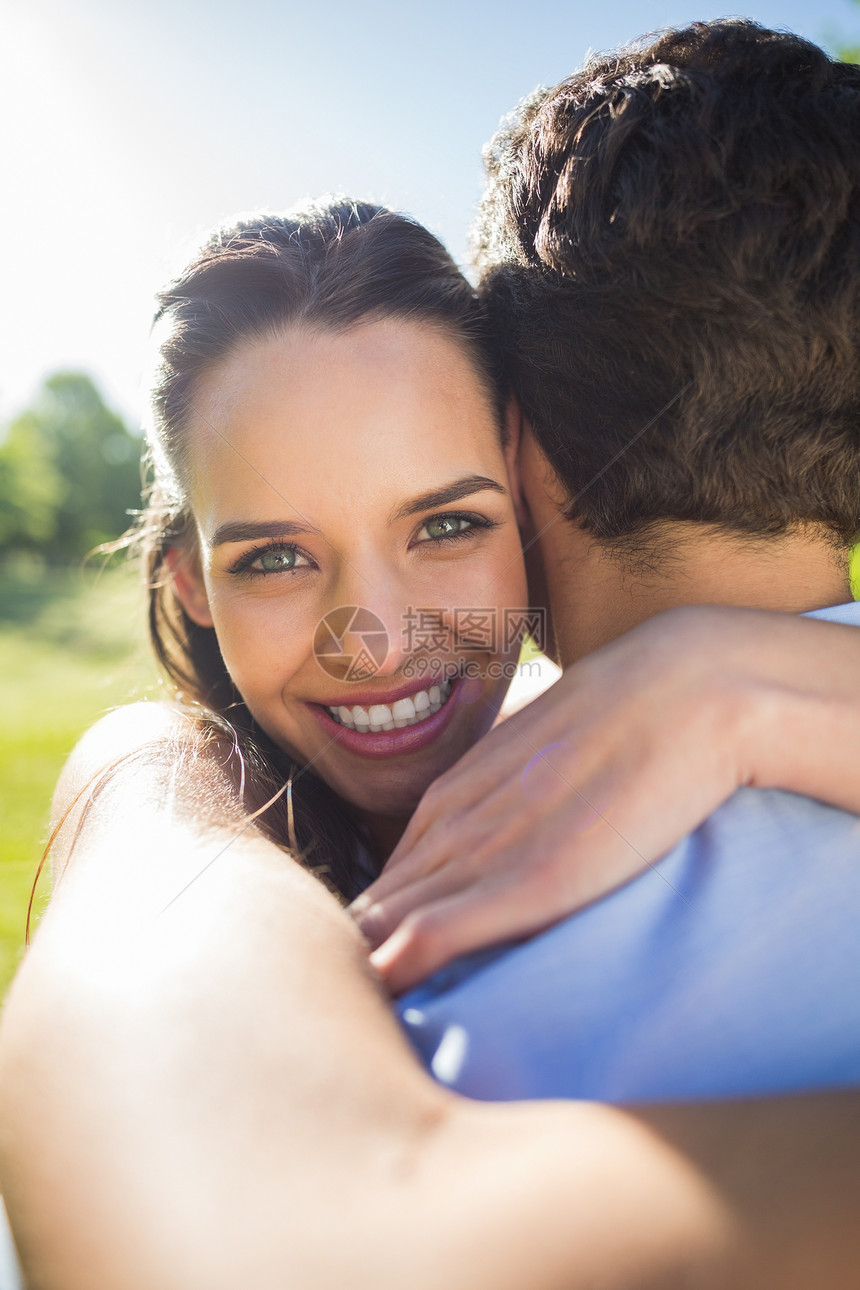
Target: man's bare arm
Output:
[{"x": 207, "y": 1089}]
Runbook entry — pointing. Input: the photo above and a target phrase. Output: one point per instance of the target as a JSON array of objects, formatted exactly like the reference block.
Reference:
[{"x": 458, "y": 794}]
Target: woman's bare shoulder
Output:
[
  {"x": 131, "y": 726},
  {"x": 145, "y": 734},
  {"x": 121, "y": 731}
]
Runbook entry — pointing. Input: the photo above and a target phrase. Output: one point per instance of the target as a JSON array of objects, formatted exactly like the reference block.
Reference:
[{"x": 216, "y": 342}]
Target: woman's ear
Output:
[
  {"x": 513, "y": 439},
  {"x": 188, "y": 581}
]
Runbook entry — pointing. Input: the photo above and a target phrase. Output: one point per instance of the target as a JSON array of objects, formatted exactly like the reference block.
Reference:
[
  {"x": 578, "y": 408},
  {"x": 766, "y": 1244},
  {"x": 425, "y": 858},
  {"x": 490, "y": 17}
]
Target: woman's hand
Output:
[{"x": 599, "y": 777}]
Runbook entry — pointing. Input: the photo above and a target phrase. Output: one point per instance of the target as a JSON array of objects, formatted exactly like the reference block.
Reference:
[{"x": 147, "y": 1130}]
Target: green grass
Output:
[{"x": 71, "y": 645}]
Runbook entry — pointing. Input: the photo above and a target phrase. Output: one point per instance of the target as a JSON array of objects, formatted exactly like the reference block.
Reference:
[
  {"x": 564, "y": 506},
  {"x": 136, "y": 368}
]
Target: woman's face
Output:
[{"x": 359, "y": 469}]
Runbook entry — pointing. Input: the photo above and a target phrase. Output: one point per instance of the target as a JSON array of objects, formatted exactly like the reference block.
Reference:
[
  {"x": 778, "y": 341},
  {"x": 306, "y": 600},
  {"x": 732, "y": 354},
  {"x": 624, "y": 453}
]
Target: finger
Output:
[
  {"x": 434, "y": 935},
  {"x": 508, "y": 815},
  {"x": 472, "y": 840},
  {"x": 428, "y": 858},
  {"x": 497, "y": 758},
  {"x": 445, "y": 842},
  {"x": 380, "y": 919},
  {"x": 576, "y": 862},
  {"x": 444, "y": 801}
]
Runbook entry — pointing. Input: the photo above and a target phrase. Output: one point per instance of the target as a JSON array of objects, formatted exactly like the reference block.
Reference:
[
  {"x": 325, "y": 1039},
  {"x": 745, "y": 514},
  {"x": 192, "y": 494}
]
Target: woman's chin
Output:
[{"x": 395, "y": 799}]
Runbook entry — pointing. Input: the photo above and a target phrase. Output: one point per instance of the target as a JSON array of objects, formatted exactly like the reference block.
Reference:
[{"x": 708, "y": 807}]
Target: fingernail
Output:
[
  {"x": 368, "y": 920},
  {"x": 389, "y": 950}
]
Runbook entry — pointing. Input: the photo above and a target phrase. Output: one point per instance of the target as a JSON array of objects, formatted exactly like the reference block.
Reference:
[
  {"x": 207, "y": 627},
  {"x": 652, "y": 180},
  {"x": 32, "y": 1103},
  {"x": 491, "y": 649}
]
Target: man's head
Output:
[{"x": 670, "y": 245}]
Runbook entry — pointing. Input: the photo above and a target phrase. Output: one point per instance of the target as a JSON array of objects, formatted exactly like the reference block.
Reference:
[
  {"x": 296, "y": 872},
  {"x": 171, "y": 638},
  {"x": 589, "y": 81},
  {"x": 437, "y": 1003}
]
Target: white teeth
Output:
[
  {"x": 396, "y": 716},
  {"x": 403, "y": 713},
  {"x": 360, "y": 718}
]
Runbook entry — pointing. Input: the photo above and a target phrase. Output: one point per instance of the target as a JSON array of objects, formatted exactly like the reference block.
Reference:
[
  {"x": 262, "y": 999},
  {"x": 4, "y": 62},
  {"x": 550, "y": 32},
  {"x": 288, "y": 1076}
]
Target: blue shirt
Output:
[{"x": 732, "y": 967}]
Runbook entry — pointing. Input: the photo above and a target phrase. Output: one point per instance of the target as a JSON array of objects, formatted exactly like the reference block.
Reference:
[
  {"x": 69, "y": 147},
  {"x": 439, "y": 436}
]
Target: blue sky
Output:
[{"x": 135, "y": 126}]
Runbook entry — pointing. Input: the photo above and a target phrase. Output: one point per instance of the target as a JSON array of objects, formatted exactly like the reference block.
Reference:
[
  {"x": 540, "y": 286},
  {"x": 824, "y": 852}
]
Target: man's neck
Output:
[{"x": 598, "y": 593}]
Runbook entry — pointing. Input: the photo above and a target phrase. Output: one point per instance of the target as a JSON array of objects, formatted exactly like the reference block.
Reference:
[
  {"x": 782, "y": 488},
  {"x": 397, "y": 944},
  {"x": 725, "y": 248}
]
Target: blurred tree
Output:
[
  {"x": 30, "y": 488},
  {"x": 69, "y": 472}
]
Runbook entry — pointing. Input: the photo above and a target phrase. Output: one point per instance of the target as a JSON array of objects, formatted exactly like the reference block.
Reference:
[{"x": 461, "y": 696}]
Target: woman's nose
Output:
[{"x": 380, "y": 617}]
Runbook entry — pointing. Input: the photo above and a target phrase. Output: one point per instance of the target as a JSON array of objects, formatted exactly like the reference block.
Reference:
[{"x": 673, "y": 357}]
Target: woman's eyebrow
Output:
[
  {"x": 450, "y": 493},
  {"x": 249, "y": 530}
]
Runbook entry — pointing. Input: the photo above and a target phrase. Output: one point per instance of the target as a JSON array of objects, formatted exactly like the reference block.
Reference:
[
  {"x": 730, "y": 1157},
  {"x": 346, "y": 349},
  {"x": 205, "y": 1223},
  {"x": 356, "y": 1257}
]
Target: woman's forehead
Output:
[
  {"x": 374, "y": 414},
  {"x": 293, "y": 361}
]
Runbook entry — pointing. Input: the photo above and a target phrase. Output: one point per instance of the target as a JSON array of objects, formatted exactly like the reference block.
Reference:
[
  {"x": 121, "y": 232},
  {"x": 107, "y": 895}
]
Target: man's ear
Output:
[
  {"x": 513, "y": 439},
  {"x": 188, "y": 581}
]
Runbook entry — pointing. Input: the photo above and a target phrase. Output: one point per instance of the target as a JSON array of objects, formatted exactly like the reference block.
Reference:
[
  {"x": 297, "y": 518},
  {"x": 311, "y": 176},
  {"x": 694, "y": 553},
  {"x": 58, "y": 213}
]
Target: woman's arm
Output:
[
  {"x": 201, "y": 1085},
  {"x": 604, "y": 773}
]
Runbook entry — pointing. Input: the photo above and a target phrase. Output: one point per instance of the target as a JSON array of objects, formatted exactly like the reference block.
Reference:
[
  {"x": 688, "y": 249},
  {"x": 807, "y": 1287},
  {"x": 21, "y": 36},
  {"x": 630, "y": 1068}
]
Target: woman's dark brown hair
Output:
[{"x": 329, "y": 267}]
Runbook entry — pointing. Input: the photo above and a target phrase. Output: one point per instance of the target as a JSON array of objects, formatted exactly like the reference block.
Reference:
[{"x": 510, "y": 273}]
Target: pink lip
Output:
[
  {"x": 364, "y": 698},
  {"x": 389, "y": 743}
]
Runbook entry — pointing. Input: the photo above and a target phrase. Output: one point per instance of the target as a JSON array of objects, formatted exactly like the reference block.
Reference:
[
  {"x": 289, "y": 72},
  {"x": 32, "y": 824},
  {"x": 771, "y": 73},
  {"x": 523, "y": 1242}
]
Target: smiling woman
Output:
[
  {"x": 357, "y": 527},
  {"x": 329, "y": 433}
]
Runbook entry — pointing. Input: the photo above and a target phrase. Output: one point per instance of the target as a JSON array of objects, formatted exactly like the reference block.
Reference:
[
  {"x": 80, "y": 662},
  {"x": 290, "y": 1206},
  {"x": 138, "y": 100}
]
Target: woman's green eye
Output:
[
  {"x": 442, "y": 526},
  {"x": 277, "y": 561},
  {"x": 273, "y": 559}
]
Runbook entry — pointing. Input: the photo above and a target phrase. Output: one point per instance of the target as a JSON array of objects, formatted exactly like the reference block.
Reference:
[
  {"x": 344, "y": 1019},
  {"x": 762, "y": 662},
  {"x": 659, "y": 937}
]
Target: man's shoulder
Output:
[
  {"x": 766, "y": 839},
  {"x": 727, "y": 968}
]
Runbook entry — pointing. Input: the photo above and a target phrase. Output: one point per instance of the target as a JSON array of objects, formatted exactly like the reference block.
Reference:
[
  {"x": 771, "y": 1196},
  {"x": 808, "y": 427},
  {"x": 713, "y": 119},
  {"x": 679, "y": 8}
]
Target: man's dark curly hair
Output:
[{"x": 670, "y": 249}]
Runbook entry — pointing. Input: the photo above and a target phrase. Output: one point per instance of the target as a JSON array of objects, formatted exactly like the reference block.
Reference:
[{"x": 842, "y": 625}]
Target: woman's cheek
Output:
[{"x": 263, "y": 645}]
